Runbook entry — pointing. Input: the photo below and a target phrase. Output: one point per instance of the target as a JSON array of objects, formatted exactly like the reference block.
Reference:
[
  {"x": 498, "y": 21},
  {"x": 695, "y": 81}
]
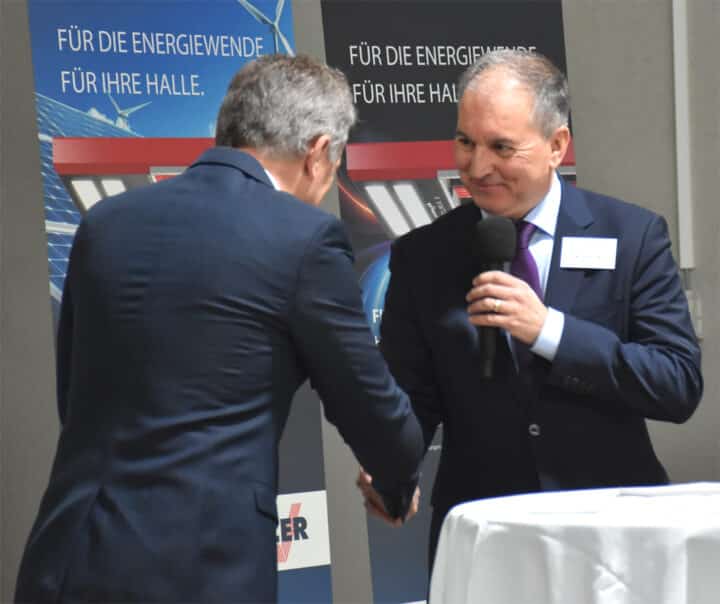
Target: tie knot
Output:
[{"x": 525, "y": 231}]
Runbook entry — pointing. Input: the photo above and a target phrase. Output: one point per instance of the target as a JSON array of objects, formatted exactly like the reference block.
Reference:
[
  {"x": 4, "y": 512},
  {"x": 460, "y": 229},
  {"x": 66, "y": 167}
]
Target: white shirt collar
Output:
[
  {"x": 544, "y": 215},
  {"x": 272, "y": 180}
]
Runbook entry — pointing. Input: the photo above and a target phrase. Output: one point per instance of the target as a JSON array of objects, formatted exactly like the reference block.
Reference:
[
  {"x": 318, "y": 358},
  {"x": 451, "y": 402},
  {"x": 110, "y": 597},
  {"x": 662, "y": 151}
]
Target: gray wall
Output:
[
  {"x": 28, "y": 424},
  {"x": 620, "y": 70},
  {"x": 695, "y": 454}
]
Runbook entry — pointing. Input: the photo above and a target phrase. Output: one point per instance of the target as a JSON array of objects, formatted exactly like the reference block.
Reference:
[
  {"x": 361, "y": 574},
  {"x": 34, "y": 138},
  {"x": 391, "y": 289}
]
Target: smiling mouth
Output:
[{"x": 487, "y": 185}]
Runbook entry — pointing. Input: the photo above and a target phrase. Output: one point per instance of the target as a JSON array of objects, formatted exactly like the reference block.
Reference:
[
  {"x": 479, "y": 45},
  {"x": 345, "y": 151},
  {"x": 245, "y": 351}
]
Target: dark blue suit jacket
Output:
[
  {"x": 628, "y": 352},
  {"x": 192, "y": 312}
]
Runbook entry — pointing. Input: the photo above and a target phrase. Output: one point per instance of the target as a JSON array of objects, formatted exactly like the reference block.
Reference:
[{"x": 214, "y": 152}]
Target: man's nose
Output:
[{"x": 480, "y": 162}]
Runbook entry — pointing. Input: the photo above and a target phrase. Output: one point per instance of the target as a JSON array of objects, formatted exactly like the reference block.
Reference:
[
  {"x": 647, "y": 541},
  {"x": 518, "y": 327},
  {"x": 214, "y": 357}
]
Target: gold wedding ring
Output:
[{"x": 496, "y": 306}]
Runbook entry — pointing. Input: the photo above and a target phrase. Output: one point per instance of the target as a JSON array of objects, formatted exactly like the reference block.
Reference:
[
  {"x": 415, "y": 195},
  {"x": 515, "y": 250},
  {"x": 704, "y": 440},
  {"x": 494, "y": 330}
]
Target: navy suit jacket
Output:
[
  {"x": 193, "y": 310},
  {"x": 628, "y": 352}
]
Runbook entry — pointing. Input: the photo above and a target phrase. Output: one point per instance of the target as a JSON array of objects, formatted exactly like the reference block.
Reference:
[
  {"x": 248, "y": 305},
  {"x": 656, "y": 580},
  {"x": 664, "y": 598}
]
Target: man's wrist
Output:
[{"x": 548, "y": 341}]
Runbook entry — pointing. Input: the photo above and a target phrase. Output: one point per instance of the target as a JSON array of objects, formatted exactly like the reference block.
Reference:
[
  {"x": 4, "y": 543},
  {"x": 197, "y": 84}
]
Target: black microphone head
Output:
[{"x": 494, "y": 240}]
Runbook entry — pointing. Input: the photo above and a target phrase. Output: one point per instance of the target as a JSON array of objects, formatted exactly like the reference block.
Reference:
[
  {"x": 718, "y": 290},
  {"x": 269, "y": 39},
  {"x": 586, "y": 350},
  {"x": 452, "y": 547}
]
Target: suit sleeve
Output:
[
  {"x": 360, "y": 397},
  {"x": 402, "y": 343},
  {"x": 63, "y": 361},
  {"x": 64, "y": 352},
  {"x": 655, "y": 371}
]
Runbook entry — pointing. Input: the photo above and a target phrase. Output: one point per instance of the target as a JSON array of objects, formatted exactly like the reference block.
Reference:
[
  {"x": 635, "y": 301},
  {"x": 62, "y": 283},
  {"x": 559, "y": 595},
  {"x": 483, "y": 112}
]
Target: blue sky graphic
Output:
[{"x": 167, "y": 115}]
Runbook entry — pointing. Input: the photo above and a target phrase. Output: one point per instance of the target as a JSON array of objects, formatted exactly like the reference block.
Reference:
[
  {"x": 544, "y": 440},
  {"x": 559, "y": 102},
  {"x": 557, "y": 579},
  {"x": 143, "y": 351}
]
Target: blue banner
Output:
[
  {"x": 127, "y": 93},
  {"x": 176, "y": 56}
]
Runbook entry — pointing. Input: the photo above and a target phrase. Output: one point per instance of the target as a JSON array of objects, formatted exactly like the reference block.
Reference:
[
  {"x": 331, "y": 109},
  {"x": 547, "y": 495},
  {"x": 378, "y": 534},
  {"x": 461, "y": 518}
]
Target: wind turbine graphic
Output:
[
  {"x": 274, "y": 25},
  {"x": 121, "y": 121}
]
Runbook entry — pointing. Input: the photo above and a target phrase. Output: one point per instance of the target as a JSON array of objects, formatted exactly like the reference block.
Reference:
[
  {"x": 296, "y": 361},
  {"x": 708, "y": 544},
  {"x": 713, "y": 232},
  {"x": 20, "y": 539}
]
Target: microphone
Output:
[{"x": 492, "y": 246}]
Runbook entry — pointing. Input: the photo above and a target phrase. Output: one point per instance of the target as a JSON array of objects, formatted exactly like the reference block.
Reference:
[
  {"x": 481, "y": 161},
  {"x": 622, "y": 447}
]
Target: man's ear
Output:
[
  {"x": 318, "y": 149},
  {"x": 559, "y": 142}
]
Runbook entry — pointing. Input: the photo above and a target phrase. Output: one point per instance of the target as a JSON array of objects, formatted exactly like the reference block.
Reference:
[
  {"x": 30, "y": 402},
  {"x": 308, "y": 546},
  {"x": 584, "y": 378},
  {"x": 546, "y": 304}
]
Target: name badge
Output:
[{"x": 588, "y": 252}]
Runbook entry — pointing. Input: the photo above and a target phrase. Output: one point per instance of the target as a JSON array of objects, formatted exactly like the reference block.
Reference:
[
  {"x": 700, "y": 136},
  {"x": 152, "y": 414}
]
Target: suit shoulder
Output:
[
  {"x": 289, "y": 203},
  {"x": 134, "y": 200},
  {"x": 303, "y": 225},
  {"x": 254, "y": 196},
  {"x": 613, "y": 206},
  {"x": 447, "y": 228}
]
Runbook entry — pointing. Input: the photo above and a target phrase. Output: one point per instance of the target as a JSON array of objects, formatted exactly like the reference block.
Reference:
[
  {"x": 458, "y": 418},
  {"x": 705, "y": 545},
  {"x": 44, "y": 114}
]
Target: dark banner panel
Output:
[{"x": 403, "y": 59}]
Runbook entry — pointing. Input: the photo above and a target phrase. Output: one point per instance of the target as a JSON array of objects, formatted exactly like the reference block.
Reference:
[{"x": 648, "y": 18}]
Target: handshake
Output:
[{"x": 394, "y": 510}]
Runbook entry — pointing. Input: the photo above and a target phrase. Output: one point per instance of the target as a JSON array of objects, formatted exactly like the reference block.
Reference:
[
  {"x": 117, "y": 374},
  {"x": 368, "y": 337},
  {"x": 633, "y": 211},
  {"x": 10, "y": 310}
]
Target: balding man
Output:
[{"x": 594, "y": 330}]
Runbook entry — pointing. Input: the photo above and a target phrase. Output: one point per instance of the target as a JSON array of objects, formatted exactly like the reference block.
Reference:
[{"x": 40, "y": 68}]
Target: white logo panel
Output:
[{"x": 302, "y": 534}]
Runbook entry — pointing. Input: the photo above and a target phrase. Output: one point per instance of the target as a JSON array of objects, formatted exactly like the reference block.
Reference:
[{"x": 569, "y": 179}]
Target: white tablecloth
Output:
[{"x": 658, "y": 545}]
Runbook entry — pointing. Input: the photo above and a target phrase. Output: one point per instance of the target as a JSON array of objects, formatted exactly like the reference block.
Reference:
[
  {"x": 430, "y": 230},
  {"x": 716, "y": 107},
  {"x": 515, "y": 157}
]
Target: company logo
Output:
[
  {"x": 290, "y": 529},
  {"x": 302, "y": 533}
]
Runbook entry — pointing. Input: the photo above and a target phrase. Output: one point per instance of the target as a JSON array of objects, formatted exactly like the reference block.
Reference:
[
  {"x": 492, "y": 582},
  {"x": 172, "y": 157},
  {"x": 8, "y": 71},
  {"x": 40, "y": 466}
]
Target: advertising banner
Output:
[
  {"x": 127, "y": 94},
  {"x": 403, "y": 60}
]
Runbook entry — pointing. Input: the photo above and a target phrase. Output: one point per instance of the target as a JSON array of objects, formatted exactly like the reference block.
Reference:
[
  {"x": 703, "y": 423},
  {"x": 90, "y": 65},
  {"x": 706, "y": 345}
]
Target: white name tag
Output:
[{"x": 588, "y": 252}]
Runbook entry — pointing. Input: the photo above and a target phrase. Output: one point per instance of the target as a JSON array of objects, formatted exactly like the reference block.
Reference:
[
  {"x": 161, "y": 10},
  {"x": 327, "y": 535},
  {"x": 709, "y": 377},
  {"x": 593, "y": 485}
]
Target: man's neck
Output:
[{"x": 285, "y": 174}]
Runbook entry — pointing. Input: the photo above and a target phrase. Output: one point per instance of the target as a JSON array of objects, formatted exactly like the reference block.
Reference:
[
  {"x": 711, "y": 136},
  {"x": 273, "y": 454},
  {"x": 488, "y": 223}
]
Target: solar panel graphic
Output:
[{"x": 55, "y": 119}]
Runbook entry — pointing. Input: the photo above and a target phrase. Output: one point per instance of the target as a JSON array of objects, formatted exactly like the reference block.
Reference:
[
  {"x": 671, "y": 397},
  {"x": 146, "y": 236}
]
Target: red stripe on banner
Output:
[
  {"x": 365, "y": 161},
  {"x": 73, "y": 156},
  {"x": 399, "y": 161},
  {"x": 408, "y": 160},
  {"x": 283, "y": 549}
]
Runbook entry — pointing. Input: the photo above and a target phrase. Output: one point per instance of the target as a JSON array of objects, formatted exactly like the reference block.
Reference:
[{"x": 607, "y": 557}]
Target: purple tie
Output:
[{"x": 524, "y": 267}]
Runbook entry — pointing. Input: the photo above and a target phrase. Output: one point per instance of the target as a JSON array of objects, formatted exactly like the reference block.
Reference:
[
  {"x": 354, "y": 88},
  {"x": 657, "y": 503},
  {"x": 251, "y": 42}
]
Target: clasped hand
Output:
[
  {"x": 498, "y": 299},
  {"x": 374, "y": 503}
]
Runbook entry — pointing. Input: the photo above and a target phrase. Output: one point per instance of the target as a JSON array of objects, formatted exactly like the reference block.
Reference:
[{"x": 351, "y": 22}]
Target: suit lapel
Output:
[{"x": 574, "y": 218}]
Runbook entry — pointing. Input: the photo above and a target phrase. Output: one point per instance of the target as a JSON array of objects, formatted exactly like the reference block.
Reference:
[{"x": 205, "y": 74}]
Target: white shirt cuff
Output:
[{"x": 548, "y": 341}]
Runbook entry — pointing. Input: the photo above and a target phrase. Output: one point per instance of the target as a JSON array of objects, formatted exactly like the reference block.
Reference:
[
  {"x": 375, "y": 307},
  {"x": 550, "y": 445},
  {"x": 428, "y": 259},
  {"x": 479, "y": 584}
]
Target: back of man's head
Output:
[
  {"x": 279, "y": 104},
  {"x": 537, "y": 73}
]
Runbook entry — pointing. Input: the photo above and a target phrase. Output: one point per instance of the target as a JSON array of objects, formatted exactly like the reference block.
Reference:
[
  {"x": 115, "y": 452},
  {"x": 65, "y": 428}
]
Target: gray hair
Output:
[
  {"x": 279, "y": 104},
  {"x": 545, "y": 81}
]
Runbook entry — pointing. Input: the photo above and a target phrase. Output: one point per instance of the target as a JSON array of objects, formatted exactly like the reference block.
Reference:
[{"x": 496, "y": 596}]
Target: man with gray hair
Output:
[
  {"x": 592, "y": 325},
  {"x": 193, "y": 310}
]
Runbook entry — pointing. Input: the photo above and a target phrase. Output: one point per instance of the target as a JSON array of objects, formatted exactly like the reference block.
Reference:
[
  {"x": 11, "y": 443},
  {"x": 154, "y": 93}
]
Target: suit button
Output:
[{"x": 534, "y": 430}]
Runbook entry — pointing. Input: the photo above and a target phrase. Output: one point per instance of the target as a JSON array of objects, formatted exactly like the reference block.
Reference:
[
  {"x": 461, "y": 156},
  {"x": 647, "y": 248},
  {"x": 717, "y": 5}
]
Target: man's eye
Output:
[
  {"x": 465, "y": 142},
  {"x": 503, "y": 149}
]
